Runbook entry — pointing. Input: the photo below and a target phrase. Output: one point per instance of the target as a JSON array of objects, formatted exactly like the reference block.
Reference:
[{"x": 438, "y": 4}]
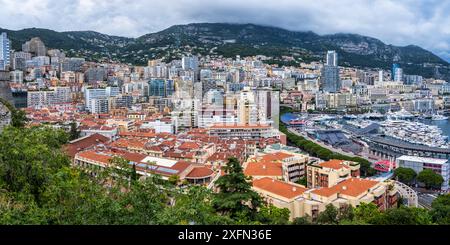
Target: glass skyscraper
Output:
[
  {"x": 329, "y": 80},
  {"x": 161, "y": 87}
]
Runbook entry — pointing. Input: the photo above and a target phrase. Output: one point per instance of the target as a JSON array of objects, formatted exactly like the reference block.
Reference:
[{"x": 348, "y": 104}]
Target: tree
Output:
[
  {"x": 430, "y": 178},
  {"x": 404, "y": 216},
  {"x": 193, "y": 207},
  {"x": 366, "y": 213},
  {"x": 329, "y": 216},
  {"x": 405, "y": 175},
  {"x": 235, "y": 197},
  {"x": 346, "y": 212},
  {"x": 74, "y": 132},
  {"x": 302, "y": 181},
  {"x": 143, "y": 203},
  {"x": 121, "y": 169},
  {"x": 174, "y": 179},
  {"x": 306, "y": 220},
  {"x": 366, "y": 168},
  {"x": 440, "y": 210},
  {"x": 28, "y": 156},
  {"x": 271, "y": 215},
  {"x": 18, "y": 117}
]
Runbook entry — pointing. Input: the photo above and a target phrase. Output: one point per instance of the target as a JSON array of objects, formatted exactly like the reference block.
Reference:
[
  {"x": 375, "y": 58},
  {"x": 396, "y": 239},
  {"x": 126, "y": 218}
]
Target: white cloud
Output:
[{"x": 399, "y": 22}]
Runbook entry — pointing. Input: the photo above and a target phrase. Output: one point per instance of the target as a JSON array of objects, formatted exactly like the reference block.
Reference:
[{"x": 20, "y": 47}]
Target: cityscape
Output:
[{"x": 208, "y": 125}]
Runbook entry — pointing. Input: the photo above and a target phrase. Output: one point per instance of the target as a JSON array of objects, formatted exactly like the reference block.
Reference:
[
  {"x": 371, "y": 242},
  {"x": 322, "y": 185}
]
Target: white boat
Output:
[{"x": 439, "y": 117}]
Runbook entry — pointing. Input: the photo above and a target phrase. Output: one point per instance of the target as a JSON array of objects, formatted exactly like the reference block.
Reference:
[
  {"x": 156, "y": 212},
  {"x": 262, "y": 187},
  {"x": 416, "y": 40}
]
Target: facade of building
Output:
[
  {"x": 49, "y": 97},
  {"x": 418, "y": 164},
  {"x": 303, "y": 202},
  {"x": 282, "y": 165},
  {"x": 93, "y": 161},
  {"x": 189, "y": 63},
  {"x": 332, "y": 58},
  {"x": 16, "y": 76},
  {"x": 19, "y": 60},
  {"x": 329, "y": 173},
  {"x": 5, "y": 46},
  {"x": 161, "y": 88},
  {"x": 35, "y": 46},
  {"x": 96, "y": 99},
  {"x": 329, "y": 80},
  {"x": 245, "y": 131}
]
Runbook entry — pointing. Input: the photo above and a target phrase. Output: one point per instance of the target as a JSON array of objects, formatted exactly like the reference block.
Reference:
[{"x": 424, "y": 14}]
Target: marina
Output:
[{"x": 384, "y": 136}]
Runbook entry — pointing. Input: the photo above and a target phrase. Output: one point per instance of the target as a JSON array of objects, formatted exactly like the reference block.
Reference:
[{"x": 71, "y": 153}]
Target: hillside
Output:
[{"x": 229, "y": 40}]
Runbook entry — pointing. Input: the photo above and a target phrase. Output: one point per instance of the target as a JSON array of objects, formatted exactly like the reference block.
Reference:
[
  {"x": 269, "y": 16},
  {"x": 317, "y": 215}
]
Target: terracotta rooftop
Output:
[
  {"x": 279, "y": 188},
  {"x": 138, "y": 134},
  {"x": 200, "y": 172},
  {"x": 278, "y": 156},
  {"x": 189, "y": 146},
  {"x": 220, "y": 156},
  {"x": 264, "y": 169},
  {"x": 83, "y": 143},
  {"x": 125, "y": 143},
  {"x": 334, "y": 164},
  {"x": 350, "y": 187}
]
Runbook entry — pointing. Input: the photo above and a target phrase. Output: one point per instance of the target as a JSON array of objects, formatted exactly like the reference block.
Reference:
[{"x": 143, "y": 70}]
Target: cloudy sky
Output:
[{"x": 400, "y": 22}]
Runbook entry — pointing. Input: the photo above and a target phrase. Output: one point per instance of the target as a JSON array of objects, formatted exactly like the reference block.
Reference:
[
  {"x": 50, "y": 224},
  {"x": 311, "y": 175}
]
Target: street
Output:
[{"x": 425, "y": 199}]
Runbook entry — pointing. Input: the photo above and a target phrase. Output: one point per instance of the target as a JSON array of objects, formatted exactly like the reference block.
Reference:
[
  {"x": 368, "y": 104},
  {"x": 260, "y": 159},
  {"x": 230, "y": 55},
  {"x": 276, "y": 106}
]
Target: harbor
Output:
[{"x": 376, "y": 136}]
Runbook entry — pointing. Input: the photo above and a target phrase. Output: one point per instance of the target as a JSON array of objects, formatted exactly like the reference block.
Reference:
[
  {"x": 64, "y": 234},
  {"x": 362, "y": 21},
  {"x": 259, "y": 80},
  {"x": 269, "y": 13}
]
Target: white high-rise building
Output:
[
  {"x": 247, "y": 107},
  {"x": 380, "y": 77},
  {"x": 4, "y": 51},
  {"x": 189, "y": 63},
  {"x": 332, "y": 58},
  {"x": 48, "y": 97},
  {"x": 398, "y": 75},
  {"x": 268, "y": 103},
  {"x": 93, "y": 98}
]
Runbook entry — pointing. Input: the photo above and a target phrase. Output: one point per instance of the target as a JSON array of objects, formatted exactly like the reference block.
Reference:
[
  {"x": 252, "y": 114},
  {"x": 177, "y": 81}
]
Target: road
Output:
[
  {"x": 425, "y": 199},
  {"x": 304, "y": 135}
]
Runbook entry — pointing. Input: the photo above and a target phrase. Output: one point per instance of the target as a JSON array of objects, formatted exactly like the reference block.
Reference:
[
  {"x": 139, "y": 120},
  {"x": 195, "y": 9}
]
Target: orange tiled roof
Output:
[
  {"x": 264, "y": 169},
  {"x": 279, "y": 188},
  {"x": 189, "y": 146},
  {"x": 83, "y": 143},
  {"x": 334, "y": 164},
  {"x": 350, "y": 187},
  {"x": 278, "y": 156},
  {"x": 92, "y": 155},
  {"x": 200, "y": 172}
]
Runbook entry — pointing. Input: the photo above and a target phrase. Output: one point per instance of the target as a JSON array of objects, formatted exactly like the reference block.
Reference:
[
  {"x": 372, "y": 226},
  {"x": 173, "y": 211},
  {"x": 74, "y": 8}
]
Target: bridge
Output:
[{"x": 408, "y": 194}]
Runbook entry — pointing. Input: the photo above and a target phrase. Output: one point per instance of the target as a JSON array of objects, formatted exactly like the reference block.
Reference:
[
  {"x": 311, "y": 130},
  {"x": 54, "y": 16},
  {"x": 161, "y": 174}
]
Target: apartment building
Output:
[
  {"x": 282, "y": 195},
  {"x": 311, "y": 202},
  {"x": 281, "y": 165},
  {"x": 92, "y": 161},
  {"x": 256, "y": 131},
  {"x": 329, "y": 173},
  {"x": 49, "y": 97},
  {"x": 418, "y": 164}
]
